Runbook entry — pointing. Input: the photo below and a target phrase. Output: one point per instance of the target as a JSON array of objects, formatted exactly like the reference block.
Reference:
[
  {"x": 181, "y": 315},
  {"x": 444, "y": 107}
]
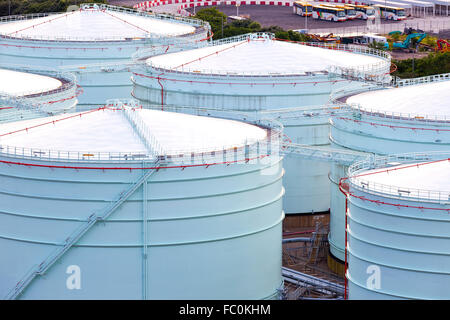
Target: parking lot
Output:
[{"x": 285, "y": 18}]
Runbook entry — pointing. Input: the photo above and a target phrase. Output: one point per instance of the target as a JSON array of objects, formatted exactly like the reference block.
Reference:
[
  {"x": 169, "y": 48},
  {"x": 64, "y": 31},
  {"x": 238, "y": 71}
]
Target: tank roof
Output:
[
  {"x": 428, "y": 180},
  {"x": 429, "y": 99},
  {"x": 22, "y": 83},
  {"x": 260, "y": 56},
  {"x": 94, "y": 25},
  {"x": 107, "y": 130}
]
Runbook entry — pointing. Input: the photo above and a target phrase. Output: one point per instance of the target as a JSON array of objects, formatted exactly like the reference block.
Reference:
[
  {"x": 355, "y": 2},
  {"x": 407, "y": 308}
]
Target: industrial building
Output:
[
  {"x": 28, "y": 93},
  {"x": 398, "y": 218},
  {"x": 107, "y": 192},
  {"x": 95, "y": 42},
  {"x": 257, "y": 73},
  {"x": 413, "y": 117}
]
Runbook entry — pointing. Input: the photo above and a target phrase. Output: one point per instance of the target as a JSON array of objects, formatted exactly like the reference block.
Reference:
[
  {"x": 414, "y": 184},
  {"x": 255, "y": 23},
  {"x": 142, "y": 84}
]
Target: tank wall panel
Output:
[
  {"x": 385, "y": 140},
  {"x": 336, "y": 237},
  {"x": 248, "y": 94},
  {"x": 375, "y": 139},
  {"x": 307, "y": 186},
  {"x": 404, "y": 243},
  {"x": 68, "y": 53},
  {"x": 306, "y": 181},
  {"x": 228, "y": 214},
  {"x": 176, "y": 272}
]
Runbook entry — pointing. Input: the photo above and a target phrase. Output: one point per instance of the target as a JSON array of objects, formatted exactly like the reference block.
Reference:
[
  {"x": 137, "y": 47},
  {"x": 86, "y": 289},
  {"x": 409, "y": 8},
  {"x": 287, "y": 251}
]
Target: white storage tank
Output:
[
  {"x": 257, "y": 73},
  {"x": 399, "y": 227},
  {"x": 188, "y": 207},
  {"x": 29, "y": 93},
  {"x": 96, "y": 42},
  {"x": 414, "y": 117}
]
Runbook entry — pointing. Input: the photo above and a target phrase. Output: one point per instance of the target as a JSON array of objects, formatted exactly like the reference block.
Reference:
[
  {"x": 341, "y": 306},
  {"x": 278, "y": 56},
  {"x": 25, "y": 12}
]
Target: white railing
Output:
[
  {"x": 160, "y": 16},
  {"x": 32, "y": 104},
  {"x": 99, "y": 67},
  {"x": 360, "y": 182},
  {"x": 104, "y": 37},
  {"x": 319, "y": 153},
  {"x": 371, "y": 72},
  {"x": 401, "y": 116},
  {"x": 143, "y": 131},
  {"x": 250, "y": 149},
  {"x": 415, "y": 117},
  {"x": 422, "y": 80},
  {"x": 20, "y": 17},
  {"x": 245, "y": 37},
  {"x": 91, "y": 6},
  {"x": 68, "y": 80},
  {"x": 70, "y": 156},
  {"x": 328, "y": 154},
  {"x": 308, "y": 112},
  {"x": 168, "y": 45}
]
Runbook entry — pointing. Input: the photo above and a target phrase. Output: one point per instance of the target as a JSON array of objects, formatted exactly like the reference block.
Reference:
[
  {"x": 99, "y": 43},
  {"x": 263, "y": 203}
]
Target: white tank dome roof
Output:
[
  {"x": 411, "y": 178},
  {"x": 260, "y": 56},
  {"x": 107, "y": 130},
  {"x": 90, "y": 25},
  {"x": 17, "y": 83},
  {"x": 431, "y": 99}
]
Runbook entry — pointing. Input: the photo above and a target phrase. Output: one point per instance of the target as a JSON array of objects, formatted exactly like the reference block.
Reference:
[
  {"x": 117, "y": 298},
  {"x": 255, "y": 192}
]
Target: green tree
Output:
[
  {"x": 216, "y": 19},
  {"x": 379, "y": 45},
  {"x": 238, "y": 27},
  {"x": 434, "y": 63}
]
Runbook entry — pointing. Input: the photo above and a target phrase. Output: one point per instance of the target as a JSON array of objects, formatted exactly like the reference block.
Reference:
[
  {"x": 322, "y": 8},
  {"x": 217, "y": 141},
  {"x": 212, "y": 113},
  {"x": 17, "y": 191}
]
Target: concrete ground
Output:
[{"x": 128, "y": 3}]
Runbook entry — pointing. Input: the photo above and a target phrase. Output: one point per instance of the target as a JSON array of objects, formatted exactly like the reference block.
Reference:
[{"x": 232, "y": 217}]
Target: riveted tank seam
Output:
[
  {"x": 164, "y": 199},
  {"x": 160, "y": 244},
  {"x": 154, "y": 219}
]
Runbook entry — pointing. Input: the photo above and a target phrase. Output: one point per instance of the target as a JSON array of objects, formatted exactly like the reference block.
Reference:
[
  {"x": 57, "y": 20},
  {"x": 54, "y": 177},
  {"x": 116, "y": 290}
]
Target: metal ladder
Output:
[
  {"x": 316, "y": 244},
  {"x": 77, "y": 234}
]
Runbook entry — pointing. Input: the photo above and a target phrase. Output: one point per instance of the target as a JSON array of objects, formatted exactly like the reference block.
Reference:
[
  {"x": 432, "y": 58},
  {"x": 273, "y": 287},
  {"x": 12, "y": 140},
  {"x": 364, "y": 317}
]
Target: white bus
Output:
[
  {"x": 391, "y": 13},
  {"x": 303, "y": 8},
  {"x": 328, "y": 13},
  {"x": 363, "y": 12},
  {"x": 350, "y": 12}
]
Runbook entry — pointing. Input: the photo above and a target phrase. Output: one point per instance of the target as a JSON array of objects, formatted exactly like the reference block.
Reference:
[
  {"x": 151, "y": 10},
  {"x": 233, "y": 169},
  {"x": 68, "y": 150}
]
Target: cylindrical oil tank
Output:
[
  {"x": 28, "y": 93},
  {"x": 306, "y": 189},
  {"x": 256, "y": 73},
  {"x": 413, "y": 117},
  {"x": 203, "y": 220},
  {"x": 398, "y": 227},
  {"x": 95, "y": 42}
]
